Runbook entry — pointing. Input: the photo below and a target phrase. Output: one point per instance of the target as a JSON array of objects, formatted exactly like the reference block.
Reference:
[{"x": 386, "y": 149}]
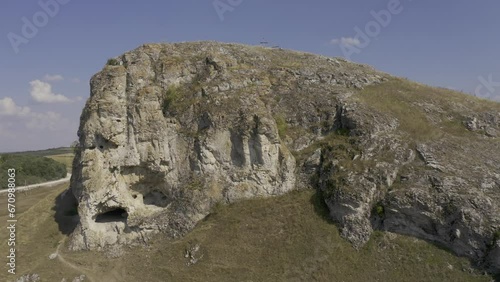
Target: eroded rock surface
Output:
[{"x": 170, "y": 130}]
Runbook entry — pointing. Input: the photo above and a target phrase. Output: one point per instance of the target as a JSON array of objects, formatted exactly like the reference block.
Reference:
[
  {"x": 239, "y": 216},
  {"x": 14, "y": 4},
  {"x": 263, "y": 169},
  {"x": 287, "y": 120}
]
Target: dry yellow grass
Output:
[
  {"x": 287, "y": 238},
  {"x": 406, "y": 101}
]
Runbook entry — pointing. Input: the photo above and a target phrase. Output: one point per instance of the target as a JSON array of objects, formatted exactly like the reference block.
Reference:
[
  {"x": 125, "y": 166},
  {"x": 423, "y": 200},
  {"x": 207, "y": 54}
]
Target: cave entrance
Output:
[
  {"x": 115, "y": 215},
  {"x": 156, "y": 198}
]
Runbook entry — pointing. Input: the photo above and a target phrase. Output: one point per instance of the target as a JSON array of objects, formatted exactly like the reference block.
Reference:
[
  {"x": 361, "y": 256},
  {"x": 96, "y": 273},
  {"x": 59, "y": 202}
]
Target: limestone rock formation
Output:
[{"x": 170, "y": 130}]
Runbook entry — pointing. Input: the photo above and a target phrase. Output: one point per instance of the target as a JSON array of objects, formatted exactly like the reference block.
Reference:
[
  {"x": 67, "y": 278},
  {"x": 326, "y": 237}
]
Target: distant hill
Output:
[
  {"x": 31, "y": 168},
  {"x": 44, "y": 153}
]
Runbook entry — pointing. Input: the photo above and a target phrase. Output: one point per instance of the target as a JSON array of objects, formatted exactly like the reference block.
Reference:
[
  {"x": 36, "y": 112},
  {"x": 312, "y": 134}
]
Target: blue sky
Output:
[{"x": 44, "y": 74}]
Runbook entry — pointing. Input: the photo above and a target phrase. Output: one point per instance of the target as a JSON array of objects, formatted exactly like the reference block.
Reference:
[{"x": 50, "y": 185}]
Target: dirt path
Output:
[
  {"x": 114, "y": 274},
  {"x": 40, "y": 185},
  {"x": 69, "y": 264}
]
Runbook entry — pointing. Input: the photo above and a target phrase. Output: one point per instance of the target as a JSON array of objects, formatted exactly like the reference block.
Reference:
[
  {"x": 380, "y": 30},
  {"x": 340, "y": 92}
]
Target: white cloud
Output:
[
  {"x": 53, "y": 77},
  {"x": 5, "y": 131},
  {"x": 46, "y": 121},
  {"x": 346, "y": 41},
  {"x": 11, "y": 114},
  {"x": 23, "y": 128},
  {"x": 9, "y": 108},
  {"x": 42, "y": 92}
]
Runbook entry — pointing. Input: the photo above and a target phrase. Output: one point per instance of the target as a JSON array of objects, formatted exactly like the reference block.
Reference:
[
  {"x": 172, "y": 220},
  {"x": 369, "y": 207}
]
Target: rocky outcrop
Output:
[{"x": 170, "y": 130}]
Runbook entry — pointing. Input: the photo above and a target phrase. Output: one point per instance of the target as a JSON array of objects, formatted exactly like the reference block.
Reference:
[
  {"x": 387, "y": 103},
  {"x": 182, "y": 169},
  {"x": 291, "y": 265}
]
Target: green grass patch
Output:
[
  {"x": 281, "y": 125},
  {"x": 397, "y": 99}
]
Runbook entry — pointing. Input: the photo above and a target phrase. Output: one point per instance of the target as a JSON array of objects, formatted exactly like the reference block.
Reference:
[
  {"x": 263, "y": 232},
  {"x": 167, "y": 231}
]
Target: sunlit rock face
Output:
[{"x": 170, "y": 130}]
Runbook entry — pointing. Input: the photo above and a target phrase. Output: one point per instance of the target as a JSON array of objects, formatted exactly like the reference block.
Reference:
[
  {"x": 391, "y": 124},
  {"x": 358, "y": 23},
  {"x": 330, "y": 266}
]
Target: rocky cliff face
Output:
[{"x": 170, "y": 130}]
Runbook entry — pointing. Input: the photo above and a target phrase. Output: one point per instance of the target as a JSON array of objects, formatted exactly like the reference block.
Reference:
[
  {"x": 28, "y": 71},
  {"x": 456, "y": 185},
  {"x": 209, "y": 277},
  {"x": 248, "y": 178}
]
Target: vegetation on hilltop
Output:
[
  {"x": 46, "y": 152},
  {"x": 425, "y": 113},
  {"x": 30, "y": 169},
  {"x": 66, "y": 159}
]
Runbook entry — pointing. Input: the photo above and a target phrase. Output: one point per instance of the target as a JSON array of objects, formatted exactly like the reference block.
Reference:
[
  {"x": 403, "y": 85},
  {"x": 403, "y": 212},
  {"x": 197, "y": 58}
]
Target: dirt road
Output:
[{"x": 40, "y": 185}]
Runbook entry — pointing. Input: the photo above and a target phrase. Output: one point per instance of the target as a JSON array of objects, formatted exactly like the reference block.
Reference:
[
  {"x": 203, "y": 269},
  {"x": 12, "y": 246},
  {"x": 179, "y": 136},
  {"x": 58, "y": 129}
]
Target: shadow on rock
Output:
[
  {"x": 320, "y": 207},
  {"x": 66, "y": 208},
  {"x": 477, "y": 266}
]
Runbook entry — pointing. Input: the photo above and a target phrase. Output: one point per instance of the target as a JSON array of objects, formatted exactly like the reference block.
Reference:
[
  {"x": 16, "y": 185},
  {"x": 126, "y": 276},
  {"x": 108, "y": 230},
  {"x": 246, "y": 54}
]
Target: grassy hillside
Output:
[
  {"x": 30, "y": 169},
  {"x": 66, "y": 159},
  {"x": 425, "y": 113},
  {"x": 47, "y": 152},
  {"x": 287, "y": 238},
  {"x": 33, "y": 168}
]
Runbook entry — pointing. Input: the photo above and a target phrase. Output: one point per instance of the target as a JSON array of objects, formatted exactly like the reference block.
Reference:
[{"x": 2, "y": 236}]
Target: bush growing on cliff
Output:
[
  {"x": 496, "y": 236},
  {"x": 112, "y": 62},
  {"x": 379, "y": 210},
  {"x": 169, "y": 98},
  {"x": 282, "y": 126}
]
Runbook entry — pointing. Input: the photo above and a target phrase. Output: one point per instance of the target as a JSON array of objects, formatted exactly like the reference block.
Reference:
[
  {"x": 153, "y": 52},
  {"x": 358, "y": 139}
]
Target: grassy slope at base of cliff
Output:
[{"x": 286, "y": 238}]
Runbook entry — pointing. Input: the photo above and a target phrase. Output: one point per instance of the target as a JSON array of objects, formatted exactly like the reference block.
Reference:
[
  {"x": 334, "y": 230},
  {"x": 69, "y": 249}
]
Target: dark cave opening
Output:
[
  {"x": 115, "y": 215},
  {"x": 156, "y": 198}
]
